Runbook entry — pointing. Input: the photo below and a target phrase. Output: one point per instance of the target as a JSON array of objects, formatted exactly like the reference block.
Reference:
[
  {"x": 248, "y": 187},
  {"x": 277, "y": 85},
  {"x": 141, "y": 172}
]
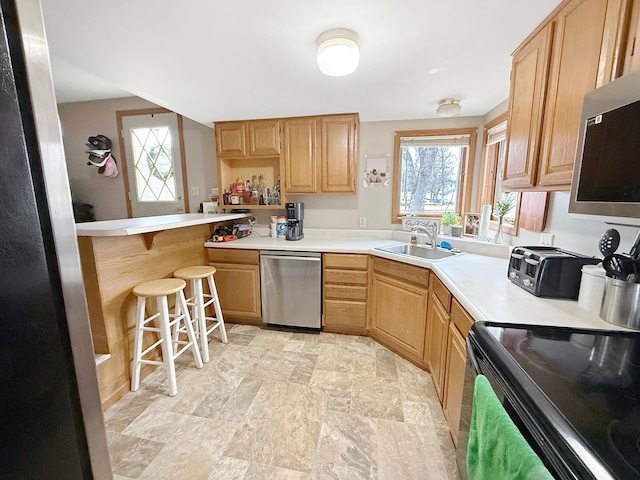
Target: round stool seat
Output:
[
  {"x": 200, "y": 271},
  {"x": 157, "y": 288}
]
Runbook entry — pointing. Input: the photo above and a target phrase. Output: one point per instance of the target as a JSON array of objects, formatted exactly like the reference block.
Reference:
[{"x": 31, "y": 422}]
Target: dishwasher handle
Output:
[{"x": 289, "y": 257}]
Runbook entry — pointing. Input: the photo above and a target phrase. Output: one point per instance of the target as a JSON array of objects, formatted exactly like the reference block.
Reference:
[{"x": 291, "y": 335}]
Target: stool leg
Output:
[
  {"x": 137, "y": 344},
  {"x": 167, "y": 344},
  {"x": 201, "y": 321},
  {"x": 190, "y": 333},
  {"x": 217, "y": 308}
]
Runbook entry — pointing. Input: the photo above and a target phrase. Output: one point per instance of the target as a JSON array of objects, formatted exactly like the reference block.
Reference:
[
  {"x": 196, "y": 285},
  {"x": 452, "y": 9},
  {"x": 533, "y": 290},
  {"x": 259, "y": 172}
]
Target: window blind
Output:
[
  {"x": 436, "y": 141},
  {"x": 497, "y": 134}
]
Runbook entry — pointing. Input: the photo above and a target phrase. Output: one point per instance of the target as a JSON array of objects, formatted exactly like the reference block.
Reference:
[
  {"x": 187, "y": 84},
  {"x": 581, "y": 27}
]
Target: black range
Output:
[{"x": 574, "y": 394}]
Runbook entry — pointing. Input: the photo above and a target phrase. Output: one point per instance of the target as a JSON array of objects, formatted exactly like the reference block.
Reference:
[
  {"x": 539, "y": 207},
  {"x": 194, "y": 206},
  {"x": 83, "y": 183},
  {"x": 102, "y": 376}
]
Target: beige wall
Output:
[
  {"x": 374, "y": 203},
  {"x": 81, "y": 120}
]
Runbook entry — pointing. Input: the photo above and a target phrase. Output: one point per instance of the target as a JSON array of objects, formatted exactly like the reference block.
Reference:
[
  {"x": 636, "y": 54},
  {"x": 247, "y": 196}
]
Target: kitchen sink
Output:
[{"x": 419, "y": 251}]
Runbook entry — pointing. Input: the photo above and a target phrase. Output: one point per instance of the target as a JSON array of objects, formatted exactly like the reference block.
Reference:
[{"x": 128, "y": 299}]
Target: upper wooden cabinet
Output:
[
  {"x": 261, "y": 136},
  {"x": 299, "y": 154},
  {"x": 264, "y": 138},
  {"x": 339, "y": 153},
  {"x": 577, "y": 50},
  {"x": 321, "y": 154},
  {"x": 528, "y": 83},
  {"x": 231, "y": 139}
]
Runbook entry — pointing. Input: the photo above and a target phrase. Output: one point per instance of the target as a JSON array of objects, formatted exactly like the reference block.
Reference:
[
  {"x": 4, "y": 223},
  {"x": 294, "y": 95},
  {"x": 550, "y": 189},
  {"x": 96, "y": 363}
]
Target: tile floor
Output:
[{"x": 285, "y": 406}]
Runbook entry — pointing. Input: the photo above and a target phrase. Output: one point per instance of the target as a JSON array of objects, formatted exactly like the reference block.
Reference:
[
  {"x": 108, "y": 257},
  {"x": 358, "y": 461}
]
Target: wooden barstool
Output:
[
  {"x": 199, "y": 301},
  {"x": 167, "y": 322}
]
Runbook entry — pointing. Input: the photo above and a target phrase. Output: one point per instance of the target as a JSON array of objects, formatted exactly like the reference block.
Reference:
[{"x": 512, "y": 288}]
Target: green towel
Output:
[{"x": 497, "y": 450}]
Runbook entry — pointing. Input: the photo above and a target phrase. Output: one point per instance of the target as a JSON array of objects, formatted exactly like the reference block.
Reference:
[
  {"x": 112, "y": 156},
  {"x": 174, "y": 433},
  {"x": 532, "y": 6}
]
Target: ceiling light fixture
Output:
[
  {"x": 338, "y": 52},
  {"x": 448, "y": 107}
]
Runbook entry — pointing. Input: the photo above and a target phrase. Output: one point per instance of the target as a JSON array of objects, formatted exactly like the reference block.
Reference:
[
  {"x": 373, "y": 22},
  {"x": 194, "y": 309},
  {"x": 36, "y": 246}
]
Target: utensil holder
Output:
[{"x": 621, "y": 303}]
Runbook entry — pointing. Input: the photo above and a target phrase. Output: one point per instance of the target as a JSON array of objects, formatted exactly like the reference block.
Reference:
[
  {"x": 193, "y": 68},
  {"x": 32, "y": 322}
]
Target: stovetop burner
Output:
[
  {"x": 625, "y": 442},
  {"x": 592, "y": 378}
]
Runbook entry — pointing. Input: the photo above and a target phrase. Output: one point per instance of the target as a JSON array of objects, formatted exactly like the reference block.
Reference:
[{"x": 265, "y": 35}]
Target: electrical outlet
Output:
[
  {"x": 546, "y": 239},
  {"x": 195, "y": 191},
  {"x": 362, "y": 222}
]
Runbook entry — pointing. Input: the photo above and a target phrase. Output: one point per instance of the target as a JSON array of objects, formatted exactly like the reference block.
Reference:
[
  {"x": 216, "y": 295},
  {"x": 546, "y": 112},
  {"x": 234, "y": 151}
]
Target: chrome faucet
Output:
[{"x": 431, "y": 232}]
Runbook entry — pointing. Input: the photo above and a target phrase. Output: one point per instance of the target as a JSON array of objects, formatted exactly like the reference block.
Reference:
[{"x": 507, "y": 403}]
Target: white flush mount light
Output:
[
  {"x": 448, "y": 107},
  {"x": 338, "y": 52}
]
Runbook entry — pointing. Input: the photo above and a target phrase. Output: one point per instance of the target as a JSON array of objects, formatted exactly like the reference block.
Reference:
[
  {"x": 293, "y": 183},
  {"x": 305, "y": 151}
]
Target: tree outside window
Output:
[{"x": 430, "y": 172}]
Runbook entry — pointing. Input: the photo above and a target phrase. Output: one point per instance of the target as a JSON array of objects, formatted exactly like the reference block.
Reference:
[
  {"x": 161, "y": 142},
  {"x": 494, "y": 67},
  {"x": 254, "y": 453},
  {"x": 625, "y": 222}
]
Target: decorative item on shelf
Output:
[
  {"x": 376, "y": 174},
  {"x": 471, "y": 225},
  {"x": 448, "y": 220},
  {"x": 338, "y": 53},
  {"x": 503, "y": 206}
]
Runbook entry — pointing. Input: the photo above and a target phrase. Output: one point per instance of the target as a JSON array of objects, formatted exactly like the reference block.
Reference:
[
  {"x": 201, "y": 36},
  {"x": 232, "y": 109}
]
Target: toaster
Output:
[{"x": 548, "y": 271}]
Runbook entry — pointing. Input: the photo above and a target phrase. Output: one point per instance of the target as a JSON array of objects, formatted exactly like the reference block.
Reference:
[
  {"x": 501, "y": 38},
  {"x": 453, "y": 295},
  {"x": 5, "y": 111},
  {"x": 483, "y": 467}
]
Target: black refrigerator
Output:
[{"x": 51, "y": 422}]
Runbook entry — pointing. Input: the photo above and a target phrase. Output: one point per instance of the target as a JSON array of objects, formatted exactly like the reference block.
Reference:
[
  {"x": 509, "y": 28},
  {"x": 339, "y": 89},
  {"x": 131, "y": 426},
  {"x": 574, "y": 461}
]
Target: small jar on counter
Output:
[{"x": 282, "y": 227}]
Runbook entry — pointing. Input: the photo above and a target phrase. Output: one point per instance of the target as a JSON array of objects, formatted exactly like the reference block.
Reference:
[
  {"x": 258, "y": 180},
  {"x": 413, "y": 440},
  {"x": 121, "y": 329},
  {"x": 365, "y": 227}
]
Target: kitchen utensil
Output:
[
  {"x": 621, "y": 303},
  {"x": 609, "y": 242},
  {"x": 634, "y": 253},
  {"x": 620, "y": 267}
]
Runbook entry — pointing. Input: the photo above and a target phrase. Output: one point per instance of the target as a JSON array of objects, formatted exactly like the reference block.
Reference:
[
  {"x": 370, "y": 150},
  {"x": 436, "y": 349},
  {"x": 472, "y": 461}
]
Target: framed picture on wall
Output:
[{"x": 471, "y": 224}]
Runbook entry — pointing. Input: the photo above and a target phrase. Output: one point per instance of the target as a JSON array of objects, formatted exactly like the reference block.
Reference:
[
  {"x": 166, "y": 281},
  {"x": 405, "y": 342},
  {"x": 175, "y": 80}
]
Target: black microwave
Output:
[{"x": 606, "y": 175}]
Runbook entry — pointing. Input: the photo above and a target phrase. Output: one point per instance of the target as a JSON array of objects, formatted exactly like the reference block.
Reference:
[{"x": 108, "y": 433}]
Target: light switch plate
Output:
[{"x": 195, "y": 191}]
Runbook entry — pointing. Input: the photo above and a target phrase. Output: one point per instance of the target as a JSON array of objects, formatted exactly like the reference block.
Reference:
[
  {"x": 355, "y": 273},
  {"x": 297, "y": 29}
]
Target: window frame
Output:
[
  {"x": 490, "y": 176},
  {"x": 466, "y": 168}
]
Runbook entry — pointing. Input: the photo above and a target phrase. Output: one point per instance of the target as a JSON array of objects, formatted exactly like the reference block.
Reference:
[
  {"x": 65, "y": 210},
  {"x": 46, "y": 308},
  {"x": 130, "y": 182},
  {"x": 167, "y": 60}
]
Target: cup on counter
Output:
[{"x": 621, "y": 303}]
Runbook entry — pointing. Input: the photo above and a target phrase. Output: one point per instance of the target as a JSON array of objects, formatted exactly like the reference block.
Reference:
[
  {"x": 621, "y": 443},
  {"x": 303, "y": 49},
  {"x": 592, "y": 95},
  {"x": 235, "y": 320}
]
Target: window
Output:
[
  {"x": 432, "y": 172},
  {"x": 495, "y": 150},
  {"x": 153, "y": 160}
]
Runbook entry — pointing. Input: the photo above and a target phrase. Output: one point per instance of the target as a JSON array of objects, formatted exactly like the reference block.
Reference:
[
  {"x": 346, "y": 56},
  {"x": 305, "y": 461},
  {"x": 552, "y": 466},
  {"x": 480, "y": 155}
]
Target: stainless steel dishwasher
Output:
[{"x": 291, "y": 288}]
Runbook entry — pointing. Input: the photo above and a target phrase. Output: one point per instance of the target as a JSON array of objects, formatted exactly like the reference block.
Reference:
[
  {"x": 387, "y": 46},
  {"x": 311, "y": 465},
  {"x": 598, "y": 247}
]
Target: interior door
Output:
[{"x": 154, "y": 164}]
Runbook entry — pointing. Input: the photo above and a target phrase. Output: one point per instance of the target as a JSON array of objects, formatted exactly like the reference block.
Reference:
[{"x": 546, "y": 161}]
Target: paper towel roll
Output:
[{"x": 485, "y": 219}]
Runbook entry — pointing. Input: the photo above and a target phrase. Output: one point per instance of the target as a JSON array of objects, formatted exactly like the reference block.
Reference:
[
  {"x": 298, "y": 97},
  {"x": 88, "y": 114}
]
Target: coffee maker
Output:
[{"x": 295, "y": 215}]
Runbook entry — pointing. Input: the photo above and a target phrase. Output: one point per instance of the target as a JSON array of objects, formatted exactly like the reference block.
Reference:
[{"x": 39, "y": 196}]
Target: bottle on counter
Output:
[{"x": 282, "y": 227}]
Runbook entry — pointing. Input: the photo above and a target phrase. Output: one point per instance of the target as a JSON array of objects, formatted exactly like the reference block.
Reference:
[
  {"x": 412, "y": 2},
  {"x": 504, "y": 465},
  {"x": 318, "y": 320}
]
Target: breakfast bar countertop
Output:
[
  {"x": 135, "y": 226},
  {"x": 478, "y": 282}
]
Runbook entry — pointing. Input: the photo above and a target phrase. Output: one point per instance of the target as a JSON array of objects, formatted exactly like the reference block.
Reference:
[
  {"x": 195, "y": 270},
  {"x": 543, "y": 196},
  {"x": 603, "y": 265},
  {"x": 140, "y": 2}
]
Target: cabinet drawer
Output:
[
  {"x": 225, "y": 255},
  {"x": 345, "y": 261},
  {"x": 345, "y": 276},
  {"x": 440, "y": 291},
  {"x": 461, "y": 318},
  {"x": 345, "y": 292},
  {"x": 402, "y": 271},
  {"x": 345, "y": 313}
]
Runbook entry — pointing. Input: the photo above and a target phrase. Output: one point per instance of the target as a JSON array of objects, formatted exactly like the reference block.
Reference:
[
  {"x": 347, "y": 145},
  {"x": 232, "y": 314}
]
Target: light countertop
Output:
[
  {"x": 478, "y": 282},
  {"x": 135, "y": 226}
]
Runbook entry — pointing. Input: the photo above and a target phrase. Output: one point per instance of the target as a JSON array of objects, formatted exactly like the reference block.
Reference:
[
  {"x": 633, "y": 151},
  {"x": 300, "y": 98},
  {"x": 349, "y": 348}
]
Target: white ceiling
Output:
[{"x": 214, "y": 60}]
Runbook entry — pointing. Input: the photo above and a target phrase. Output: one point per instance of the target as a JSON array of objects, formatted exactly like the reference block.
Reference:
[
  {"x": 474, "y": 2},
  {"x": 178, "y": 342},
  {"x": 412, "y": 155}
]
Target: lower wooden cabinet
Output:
[
  {"x": 398, "y": 306},
  {"x": 446, "y": 351},
  {"x": 238, "y": 283},
  {"x": 436, "y": 343},
  {"x": 454, "y": 382},
  {"x": 345, "y": 293}
]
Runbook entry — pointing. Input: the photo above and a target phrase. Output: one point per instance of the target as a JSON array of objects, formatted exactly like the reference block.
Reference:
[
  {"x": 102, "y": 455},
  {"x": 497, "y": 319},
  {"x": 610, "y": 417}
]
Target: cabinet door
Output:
[
  {"x": 299, "y": 151},
  {"x": 230, "y": 139},
  {"x": 436, "y": 338},
  {"x": 584, "y": 46},
  {"x": 239, "y": 291},
  {"x": 398, "y": 314},
  {"x": 339, "y": 158},
  {"x": 264, "y": 138},
  {"x": 454, "y": 383},
  {"x": 526, "y": 101}
]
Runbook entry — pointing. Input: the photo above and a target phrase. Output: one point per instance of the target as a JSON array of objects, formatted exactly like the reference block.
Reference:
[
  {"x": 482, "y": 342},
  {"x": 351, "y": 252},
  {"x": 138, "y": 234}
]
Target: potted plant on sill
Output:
[{"x": 448, "y": 221}]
